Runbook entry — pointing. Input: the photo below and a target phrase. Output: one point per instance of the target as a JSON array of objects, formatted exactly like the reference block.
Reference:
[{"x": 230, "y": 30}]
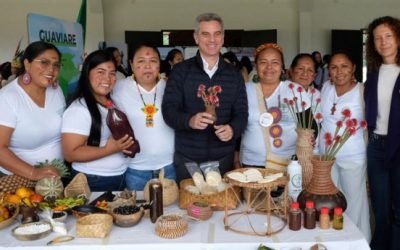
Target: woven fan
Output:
[
  {"x": 78, "y": 186},
  {"x": 10, "y": 183}
]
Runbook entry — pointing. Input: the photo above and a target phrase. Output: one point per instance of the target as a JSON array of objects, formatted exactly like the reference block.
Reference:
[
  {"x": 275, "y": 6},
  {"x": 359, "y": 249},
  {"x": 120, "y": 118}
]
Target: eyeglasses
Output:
[{"x": 44, "y": 63}]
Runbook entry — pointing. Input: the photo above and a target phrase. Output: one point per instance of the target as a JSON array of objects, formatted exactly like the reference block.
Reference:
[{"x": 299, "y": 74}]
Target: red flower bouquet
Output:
[
  {"x": 298, "y": 109},
  {"x": 345, "y": 128},
  {"x": 210, "y": 98}
]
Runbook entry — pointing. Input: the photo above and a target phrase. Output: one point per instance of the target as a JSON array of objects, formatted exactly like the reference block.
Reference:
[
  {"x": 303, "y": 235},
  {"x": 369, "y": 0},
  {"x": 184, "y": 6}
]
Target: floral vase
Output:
[
  {"x": 321, "y": 189},
  {"x": 211, "y": 110},
  {"x": 304, "y": 152}
]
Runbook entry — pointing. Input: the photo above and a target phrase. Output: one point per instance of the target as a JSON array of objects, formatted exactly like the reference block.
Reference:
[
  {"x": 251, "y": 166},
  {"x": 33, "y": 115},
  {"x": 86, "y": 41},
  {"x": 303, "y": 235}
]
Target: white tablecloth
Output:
[{"x": 206, "y": 235}]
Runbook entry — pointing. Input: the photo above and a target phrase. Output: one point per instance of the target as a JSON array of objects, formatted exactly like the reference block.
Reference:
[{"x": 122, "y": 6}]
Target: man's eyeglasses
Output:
[{"x": 44, "y": 63}]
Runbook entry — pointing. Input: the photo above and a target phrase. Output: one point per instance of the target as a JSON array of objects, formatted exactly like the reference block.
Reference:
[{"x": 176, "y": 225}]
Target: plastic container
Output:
[
  {"x": 119, "y": 126},
  {"x": 295, "y": 178}
]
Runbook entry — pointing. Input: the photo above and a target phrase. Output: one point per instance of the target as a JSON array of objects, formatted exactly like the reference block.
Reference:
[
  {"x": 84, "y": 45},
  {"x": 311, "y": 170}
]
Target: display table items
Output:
[{"x": 263, "y": 213}]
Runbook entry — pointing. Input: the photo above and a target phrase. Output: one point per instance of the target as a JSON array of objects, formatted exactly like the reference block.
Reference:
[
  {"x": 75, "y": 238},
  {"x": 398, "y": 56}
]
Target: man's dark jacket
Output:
[{"x": 180, "y": 103}]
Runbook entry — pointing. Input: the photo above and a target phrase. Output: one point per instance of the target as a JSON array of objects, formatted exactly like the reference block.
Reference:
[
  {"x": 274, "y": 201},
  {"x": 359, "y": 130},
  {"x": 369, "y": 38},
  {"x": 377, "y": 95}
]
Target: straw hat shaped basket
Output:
[
  {"x": 94, "y": 226},
  {"x": 10, "y": 183},
  {"x": 78, "y": 186},
  {"x": 170, "y": 190}
]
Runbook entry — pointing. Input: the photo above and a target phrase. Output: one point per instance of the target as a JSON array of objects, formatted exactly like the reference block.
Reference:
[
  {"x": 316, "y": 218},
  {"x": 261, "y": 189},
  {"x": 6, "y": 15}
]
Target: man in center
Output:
[{"x": 197, "y": 87}]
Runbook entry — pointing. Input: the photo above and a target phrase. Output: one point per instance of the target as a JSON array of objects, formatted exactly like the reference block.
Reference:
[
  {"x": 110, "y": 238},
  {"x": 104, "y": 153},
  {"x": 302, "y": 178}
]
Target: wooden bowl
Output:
[
  {"x": 128, "y": 220},
  {"x": 6, "y": 223},
  {"x": 21, "y": 232}
]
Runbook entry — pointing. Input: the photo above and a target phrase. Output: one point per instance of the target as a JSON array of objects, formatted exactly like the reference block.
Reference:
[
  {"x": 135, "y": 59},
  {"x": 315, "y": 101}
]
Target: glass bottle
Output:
[
  {"x": 294, "y": 216},
  {"x": 324, "y": 218},
  {"x": 310, "y": 214},
  {"x": 119, "y": 126},
  {"x": 338, "y": 218},
  {"x": 156, "y": 200}
]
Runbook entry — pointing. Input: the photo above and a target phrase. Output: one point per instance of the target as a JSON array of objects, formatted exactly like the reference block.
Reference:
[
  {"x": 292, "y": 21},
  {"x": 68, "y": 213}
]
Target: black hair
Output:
[
  {"x": 5, "y": 70},
  {"x": 245, "y": 61},
  {"x": 299, "y": 56},
  {"x": 172, "y": 53},
  {"x": 85, "y": 91},
  {"x": 33, "y": 51},
  {"x": 232, "y": 58},
  {"x": 146, "y": 45},
  {"x": 346, "y": 53}
]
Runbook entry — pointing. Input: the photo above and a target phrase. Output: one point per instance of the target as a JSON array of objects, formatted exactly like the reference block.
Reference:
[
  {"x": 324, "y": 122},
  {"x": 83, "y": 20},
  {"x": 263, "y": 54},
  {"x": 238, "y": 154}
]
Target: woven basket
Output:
[
  {"x": 200, "y": 210},
  {"x": 78, "y": 186},
  {"x": 10, "y": 183},
  {"x": 304, "y": 152},
  {"x": 257, "y": 193},
  {"x": 217, "y": 200},
  {"x": 171, "y": 226},
  {"x": 170, "y": 189},
  {"x": 94, "y": 226}
]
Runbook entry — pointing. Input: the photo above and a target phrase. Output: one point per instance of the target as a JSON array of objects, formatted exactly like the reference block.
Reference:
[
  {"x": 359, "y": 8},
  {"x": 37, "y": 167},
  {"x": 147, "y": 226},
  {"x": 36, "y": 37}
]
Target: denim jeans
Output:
[
  {"x": 137, "y": 179},
  {"x": 385, "y": 196},
  {"x": 99, "y": 183}
]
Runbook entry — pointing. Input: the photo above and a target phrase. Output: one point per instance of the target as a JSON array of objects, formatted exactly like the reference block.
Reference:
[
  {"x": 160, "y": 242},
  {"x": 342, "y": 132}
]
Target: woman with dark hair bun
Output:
[
  {"x": 30, "y": 117},
  {"x": 86, "y": 139}
]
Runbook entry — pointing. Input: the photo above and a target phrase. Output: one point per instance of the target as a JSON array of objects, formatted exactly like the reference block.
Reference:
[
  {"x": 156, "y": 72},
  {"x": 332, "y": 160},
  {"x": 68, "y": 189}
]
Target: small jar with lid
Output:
[
  {"x": 310, "y": 219},
  {"x": 294, "y": 216},
  {"x": 337, "y": 218},
  {"x": 324, "y": 218}
]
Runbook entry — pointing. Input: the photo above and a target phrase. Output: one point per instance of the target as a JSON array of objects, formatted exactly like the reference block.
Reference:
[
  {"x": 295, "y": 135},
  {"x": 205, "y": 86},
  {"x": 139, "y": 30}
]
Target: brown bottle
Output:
[
  {"x": 156, "y": 200},
  {"x": 310, "y": 219},
  {"x": 294, "y": 217},
  {"x": 119, "y": 126}
]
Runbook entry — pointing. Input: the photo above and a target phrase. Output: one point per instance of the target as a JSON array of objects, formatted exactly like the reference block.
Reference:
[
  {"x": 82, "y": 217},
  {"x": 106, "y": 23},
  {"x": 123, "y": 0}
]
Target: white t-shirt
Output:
[
  {"x": 77, "y": 120},
  {"x": 157, "y": 142},
  {"x": 253, "y": 150},
  {"x": 37, "y": 131},
  {"x": 354, "y": 148},
  {"x": 388, "y": 74}
]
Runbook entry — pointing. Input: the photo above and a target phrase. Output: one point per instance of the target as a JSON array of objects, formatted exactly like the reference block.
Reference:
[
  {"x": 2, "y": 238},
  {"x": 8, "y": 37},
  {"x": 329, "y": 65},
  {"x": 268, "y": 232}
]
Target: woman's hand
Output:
[
  {"x": 40, "y": 173},
  {"x": 119, "y": 145},
  {"x": 224, "y": 132}
]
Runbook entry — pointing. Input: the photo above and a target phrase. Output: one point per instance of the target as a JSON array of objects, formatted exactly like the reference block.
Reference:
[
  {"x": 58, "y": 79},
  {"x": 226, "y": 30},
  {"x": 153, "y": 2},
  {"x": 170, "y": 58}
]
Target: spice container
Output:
[
  {"x": 294, "y": 217},
  {"x": 156, "y": 200},
  {"x": 310, "y": 214},
  {"x": 338, "y": 218},
  {"x": 324, "y": 218}
]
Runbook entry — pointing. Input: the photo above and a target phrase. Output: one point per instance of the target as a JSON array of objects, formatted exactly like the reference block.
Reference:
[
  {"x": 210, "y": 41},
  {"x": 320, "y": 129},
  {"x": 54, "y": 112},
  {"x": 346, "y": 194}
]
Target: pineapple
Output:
[{"x": 58, "y": 164}]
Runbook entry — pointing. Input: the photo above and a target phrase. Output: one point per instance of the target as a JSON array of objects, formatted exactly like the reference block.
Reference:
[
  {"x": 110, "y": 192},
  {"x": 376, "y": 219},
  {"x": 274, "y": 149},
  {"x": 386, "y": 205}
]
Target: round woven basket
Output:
[
  {"x": 94, "y": 226},
  {"x": 170, "y": 190},
  {"x": 200, "y": 210},
  {"x": 171, "y": 226}
]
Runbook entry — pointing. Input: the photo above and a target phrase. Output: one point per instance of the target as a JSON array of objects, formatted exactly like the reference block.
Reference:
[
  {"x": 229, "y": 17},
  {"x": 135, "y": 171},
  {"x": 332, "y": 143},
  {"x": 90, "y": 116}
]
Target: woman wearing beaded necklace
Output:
[
  {"x": 140, "y": 97},
  {"x": 343, "y": 92}
]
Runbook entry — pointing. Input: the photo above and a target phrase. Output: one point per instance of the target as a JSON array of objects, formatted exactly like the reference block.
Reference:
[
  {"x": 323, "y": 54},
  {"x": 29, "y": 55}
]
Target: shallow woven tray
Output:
[
  {"x": 217, "y": 200},
  {"x": 278, "y": 182}
]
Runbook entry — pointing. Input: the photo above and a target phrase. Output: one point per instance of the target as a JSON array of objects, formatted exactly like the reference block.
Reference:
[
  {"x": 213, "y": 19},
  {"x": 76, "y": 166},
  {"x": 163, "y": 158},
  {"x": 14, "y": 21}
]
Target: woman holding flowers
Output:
[
  {"x": 276, "y": 109},
  {"x": 140, "y": 97},
  {"x": 342, "y": 111},
  {"x": 382, "y": 108}
]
